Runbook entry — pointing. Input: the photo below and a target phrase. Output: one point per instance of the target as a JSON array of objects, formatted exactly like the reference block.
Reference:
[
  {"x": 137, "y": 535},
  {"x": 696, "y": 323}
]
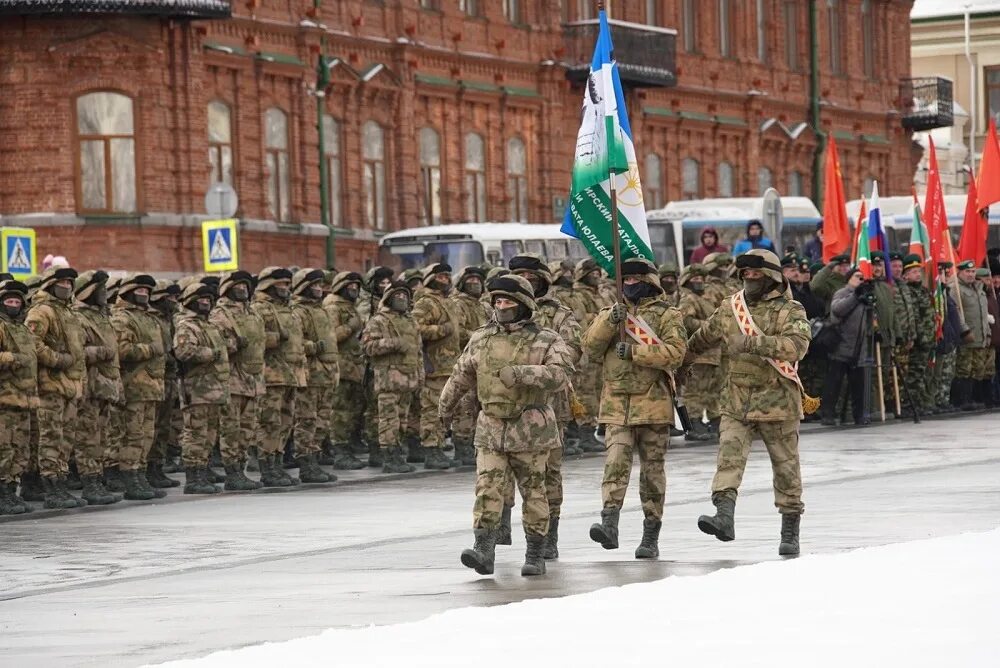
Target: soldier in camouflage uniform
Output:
[
  {"x": 18, "y": 393},
  {"x": 472, "y": 314},
  {"x": 243, "y": 331},
  {"x": 586, "y": 303},
  {"x": 974, "y": 362},
  {"x": 414, "y": 279},
  {"x": 946, "y": 349},
  {"x": 284, "y": 372},
  {"x": 906, "y": 324},
  {"x": 392, "y": 342},
  {"x": 166, "y": 439},
  {"x": 668, "y": 281},
  {"x": 376, "y": 280},
  {"x": 348, "y": 406},
  {"x": 515, "y": 366},
  {"x": 918, "y": 372},
  {"x": 104, "y": 385},
  {"x": 704, "y": 381},
  {"x": 439, "y": 329},
  {"x": 62, "y": 372},
  {"x": 141, "y": 352},
  {"x": 203, "y": 360},
  {"x": 757, "y": 401},
  {"x": 562, "y": 281},
  {"x": 314, "y": 401},
  {"x": 636, "y": 404}
]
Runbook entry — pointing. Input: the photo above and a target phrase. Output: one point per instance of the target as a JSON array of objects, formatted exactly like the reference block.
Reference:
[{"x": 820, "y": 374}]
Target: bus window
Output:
[
  {"x": 536, "y": 246},
  {"x": 556, "y": 249},
  {"x": 458, "y": 254},
  {"x": 661, "y": 239},
  {"x": 509, "y": 249},
  {"x": 796, "y": 234},
  {"x": 401, "y": 257},
  {"x": 493, "y": 257}
]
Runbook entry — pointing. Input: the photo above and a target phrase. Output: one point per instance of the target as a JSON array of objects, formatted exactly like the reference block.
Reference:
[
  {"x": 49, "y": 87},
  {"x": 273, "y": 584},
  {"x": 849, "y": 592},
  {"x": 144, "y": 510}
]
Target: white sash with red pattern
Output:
[
  {"x": 746, "y": 324},
  {"x": 640, "y": 331}
]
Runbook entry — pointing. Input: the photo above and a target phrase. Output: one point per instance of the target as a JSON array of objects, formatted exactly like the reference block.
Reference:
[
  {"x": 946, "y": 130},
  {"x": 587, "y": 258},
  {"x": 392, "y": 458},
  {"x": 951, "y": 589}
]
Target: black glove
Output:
[
  {"x": 624, "y": 350},
  {"x": 878, "y": 337},
  {"x": 320, "y": 347},
  {"x": 216, "y": 354},
  {"x": 618, "y": 313},
  {"x": 241, "y": 342},
  {"x": 282, "y": 335}
]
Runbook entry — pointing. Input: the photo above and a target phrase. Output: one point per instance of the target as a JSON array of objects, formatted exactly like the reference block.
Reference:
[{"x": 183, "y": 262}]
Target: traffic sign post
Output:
[
  {"x": 19, "y": 257},
  {"x": 220, "y": 245}
]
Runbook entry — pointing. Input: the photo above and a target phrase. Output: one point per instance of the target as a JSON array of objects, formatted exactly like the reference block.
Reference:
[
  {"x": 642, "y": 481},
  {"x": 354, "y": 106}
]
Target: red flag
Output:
[
  {"x": 859, "y": 226},
  {"x": 836, "y": 230},
  {"x": 972, "y": 243},
  {"x": 989, "y": 170},
  {"x": 937, "y": 219}
]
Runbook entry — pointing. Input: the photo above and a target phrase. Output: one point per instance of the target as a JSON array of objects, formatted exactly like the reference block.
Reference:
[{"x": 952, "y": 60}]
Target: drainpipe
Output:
[
  {"x": 322, "y": 80},
  {"x": 814, "y": 119},
  {"x": 972, "y": 93}
]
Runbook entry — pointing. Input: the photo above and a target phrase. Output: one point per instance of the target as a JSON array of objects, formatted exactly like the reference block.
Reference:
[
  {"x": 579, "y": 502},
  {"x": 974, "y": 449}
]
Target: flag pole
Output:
[{"x": 615, "y": 237}]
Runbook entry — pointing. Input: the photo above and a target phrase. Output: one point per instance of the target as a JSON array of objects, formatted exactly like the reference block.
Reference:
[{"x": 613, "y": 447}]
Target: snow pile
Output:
[{"x": 927, "y": 603}]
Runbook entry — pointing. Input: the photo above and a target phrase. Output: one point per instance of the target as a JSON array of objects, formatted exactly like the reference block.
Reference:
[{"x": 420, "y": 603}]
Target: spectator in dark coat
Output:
[
  {"x": 814, "y": 247},
  {"x": 853, "y": 353}
]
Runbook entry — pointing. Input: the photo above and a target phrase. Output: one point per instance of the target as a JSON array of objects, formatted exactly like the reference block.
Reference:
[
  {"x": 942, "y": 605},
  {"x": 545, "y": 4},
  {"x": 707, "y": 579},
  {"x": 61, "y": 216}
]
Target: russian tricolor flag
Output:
[{"x": 877, "y": 239}]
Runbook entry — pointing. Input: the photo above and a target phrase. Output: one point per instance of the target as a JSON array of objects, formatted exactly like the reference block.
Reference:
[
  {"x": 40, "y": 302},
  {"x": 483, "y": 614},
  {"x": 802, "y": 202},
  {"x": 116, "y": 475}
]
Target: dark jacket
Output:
[
  {"x": 994, "y": 310},
  {"x": 699, "y": 253},
  {"x": 813, "y": 250},
  {"x": 951, "y": 329},
  {"x": 815, "y": 308},
  {"x": 848, "y": 315}
]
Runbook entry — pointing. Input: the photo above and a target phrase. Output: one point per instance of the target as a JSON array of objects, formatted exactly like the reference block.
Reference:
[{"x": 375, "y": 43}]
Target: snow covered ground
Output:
[{"x": 926, "y": 603}]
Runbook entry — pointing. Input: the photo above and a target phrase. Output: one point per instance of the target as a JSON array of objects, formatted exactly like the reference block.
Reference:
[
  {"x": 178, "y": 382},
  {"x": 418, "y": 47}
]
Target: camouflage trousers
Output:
[
  {"x": 14, "y": 443},
  {"x": 782, "y": 442},
  {"x": 348, "y": 412},
  {"x": 944, "y": 373},
  {"x": 975, "y": 363},
  {"x": 93, "y": 422},
  {"x": 169, "y": 422},
  {"x": 463, "y": 426},
  {"x": 703, "y": 390},
  {"x": 277, "y": 418},
  {"x": 431, "y": 430},
  {"x": 115, "y": 437},
  {"x": 394, "y": 409},
  {"x": 588, "y": 383},
  {"x": 139, "y": 420},
  {"x": 201, "y": 428},
  {"x": 238, "y": 428},
  {"x": 651, "y": 442},
  {"x": 312, "y": 421},
  {"x": 491, "y": 477},
  {"x": 553, "y": 479},
  {"x": 56, "y": 417},
  {"x": 917, "y": 376}
]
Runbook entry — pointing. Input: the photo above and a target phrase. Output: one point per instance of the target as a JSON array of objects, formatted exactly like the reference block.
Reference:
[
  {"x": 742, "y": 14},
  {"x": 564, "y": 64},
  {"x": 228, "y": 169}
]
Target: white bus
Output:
[
  {"x": 897, "y": 219},
  {"x": 465, "y": 244}
]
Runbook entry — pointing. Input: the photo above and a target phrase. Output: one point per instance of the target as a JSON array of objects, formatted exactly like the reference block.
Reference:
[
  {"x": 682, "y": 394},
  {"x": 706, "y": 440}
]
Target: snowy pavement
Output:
[{"x": 153, "y": 583}]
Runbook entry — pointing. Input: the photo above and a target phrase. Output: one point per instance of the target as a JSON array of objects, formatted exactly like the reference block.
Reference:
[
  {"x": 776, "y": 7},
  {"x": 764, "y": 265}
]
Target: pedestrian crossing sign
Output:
[
  {"x": 219, "y": 242},
  {"x": 18, "y": 251}
]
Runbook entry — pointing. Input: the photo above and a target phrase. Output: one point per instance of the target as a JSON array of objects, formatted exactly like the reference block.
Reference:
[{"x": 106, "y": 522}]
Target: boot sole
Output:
[
  {"x": 470, "y": 559},
  {"x": 532, "y": 571},
  {"x": 709, "y": 528},
  {"x": 598, "y": 536},
  {"x": 786, "y": 552}
]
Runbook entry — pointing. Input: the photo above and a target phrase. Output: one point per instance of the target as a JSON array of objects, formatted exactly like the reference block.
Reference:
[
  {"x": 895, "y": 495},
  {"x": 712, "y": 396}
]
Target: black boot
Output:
[
  {"x": 606, "y": 533},
  {"x": 789, "y": 546},
  {"x": 325, "y": 457},
  {"x": 967, "y": 402},
  {"x": 698, "y": 433},
  {"x": 986, "y": 393},
  {"x": 395, "y": 462},
  {"x": 157, "y": 478},
  {"x": 436, "y": 459},
  {"x": 214, "y": 476},
  {"x": 534, "y": 564},
  {"x": 31, "y": 486},
  {"x": 73, "y": 481},
  {"x": 95, "y": 494},
  {"x": 113, "y": 480},
  {"x": 551, "y": 548},
  {"x": 9, "y": 503},
  {"x": 571, "y": 439},
  {"x": 649, "y": 547},
  {"x": 63, "y": 488},
  {"x": 589, "y": 442},
  {"x": 270, "y": 476},
  {"x": 310, "y": 472},
  {"x": 344, "y": 459},
  {"x": 253, "y": 465},
  {"x": 197, "y": 482},
  {"x": 236, "y": 481},
  {"x": 172, "y": 462},
  {"x": 375, "y": 456},
  {"x": 503, "y": 536},
  {"x": 482, "y": 554},
  {"x": 414, "y": 450},
  {"x": 134, "y": 490},
  {"x": 714, "y": 425},
  {"x": 54, "y": 498},
  {"x": 721, "y": 525},
  {"x": 141, "y": 477},
  {"x": 279, "y": 466},
  {"x": 465, "y": 452}
]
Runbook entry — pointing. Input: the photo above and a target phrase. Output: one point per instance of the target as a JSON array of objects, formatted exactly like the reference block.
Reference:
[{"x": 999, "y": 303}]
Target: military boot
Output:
[
  {"x": 54, "y": 497},
  {"x": 73, "y": 481},
  {"x": 325, "y": 457},
  {"x": 197, "y": 481},
  {"x": 279, "y": 466},
  {"x": 503, "y": 536},
  {"x": 789, "y": 546},
  {"x": 436, "y": 459},
  {"x": 95, "y": 493},
  {"x": 414, "y": 449},
  {"x": 9, "y": 503},
  {"x": 140, "y": 475},
  {"x": 310, "y": 472},
  {"x": 606, "y": 533},
  {"x": 698, "y": 433},
  {"x": 534, "y": 564},
  {"x": 721, "y": 525},
  {"x": 236, "y": 481},
  {"x": 714, "y": 425},
  {"x": 134, "y": 491},
  {"x": 649, "y": 546},
  {"x": 965, "y": 400},
  {"x": 375, "y": 456},
  {"x": 31, "y": 486},
  {"x": 589, "y": 442},
  {"x": 344, "y": 459},
  {"x": 157, "y": 478},
  {"x": 172, "y": 462},
  {"x": 395, "y": 462},
  {"x": 270, "y": 476},
  {"x": 483, "y": 552},
  {"x": 551, "y": 548},
  {"x": 253, "y": 465},
  {"x": 571, "y": 439},
  {"x": 465, "y": 452},
  {"x": 214, "y": 476},
  {"x": 62, "y": 486}
]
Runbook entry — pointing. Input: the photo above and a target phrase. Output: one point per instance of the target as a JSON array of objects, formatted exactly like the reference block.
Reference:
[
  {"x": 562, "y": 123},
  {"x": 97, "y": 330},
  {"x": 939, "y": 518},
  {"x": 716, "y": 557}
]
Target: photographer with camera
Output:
[{"x": 849, "y": 312}]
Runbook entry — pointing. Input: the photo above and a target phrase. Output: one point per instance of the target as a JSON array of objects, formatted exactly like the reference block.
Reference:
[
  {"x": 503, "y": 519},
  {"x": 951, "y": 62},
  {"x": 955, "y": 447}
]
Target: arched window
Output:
[
  {"x": 475, "y": 178},
  {"x": 762, "y": 33},
  {"x": 652, "y": 181},
  {"x": 690, "y": 19},
  {"x": 868, "y": 38},
  {"x": 726, "y": 180},
  {"x": 690, "y": 179},
  {"x": 106, "y": 153},
  {"x": 279, "y": 185},
  {"x": 833, "y": 36},
  {"x": 373, "y": 159},
  {"x": 331, "y": 153},
  {"x": 726, "y": 29},
  {"x": 517, "y": 180},
  {"x": 795, "y": 184},
  {"x": 220, "y": 142},
  {"x": 430, "y": 177},
  {"x": 764, "y": 180}
]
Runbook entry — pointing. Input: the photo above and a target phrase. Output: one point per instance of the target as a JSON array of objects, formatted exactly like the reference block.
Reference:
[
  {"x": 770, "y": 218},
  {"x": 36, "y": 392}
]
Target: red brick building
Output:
[{"x": 116, "y": 115}]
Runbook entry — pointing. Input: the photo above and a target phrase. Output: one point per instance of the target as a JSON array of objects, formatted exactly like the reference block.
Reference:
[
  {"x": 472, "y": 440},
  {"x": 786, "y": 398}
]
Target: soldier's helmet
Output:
[
  {"x": 87, "y": 282},
  {"x": 690, "y": 272},
  {"x": 433, "y": 269},
  {"x": 560, "y": 269},
  {"x": 513, "y": 287},
  {"x": 668, "y": 269},
  {"x": 375, "y": 275},
  {"x": 270, "y": 276},
  {"x": 463, "y": 276},
  {"x": 584, "y": 267},
  {"x": 496, "y": 272},
  {"x": 763, "y": 259},
  {"x": 133, "y": 281},
  {"x": 13, "y": 288},
  {"x": 196, "y": 291},
  {"x": 165, "y": 288},
  {"x": 343, "y": 279},
  {"x": 6, "y": 276},
  {"x": 642, "y": 269},
  {"x": 397, "y": 286},
  {"x": 724, "y": 259},
  {"x": 32, "y": 283},
  {"x": 530, "y": 262},
  {"x": 232, "y": 278},
  {"x": 53, "y": 275},
  {"x": 303, "y": 278}
]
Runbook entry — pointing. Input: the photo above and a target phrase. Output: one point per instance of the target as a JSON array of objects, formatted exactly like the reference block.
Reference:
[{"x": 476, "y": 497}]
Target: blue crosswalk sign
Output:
[
  {"x": 219, "y": 241},
  {"x": 19, "y": 251}
]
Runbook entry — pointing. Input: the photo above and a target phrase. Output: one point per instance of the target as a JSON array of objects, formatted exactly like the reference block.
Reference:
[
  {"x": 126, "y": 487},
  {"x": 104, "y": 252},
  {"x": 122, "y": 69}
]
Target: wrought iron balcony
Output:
[
  {"x": 646, "y": 55},
  {"x": 926, "y": 103}
]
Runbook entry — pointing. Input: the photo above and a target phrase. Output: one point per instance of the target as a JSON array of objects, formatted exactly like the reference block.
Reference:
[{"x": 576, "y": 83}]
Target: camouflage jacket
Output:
[
  {"x": 366, "y": 305},
  {"x": 974, "y": 312},
  {"x": 204, "y": 360},
  {"x": 906, "y": 313},
  {"x": 696, "y": 309},
  {"x": 560, "y": 319},
  {"x": 519, "y": 417},
  {"x": 716, "y": 291},
  {"x": 674, "y": 299},
  {"x": 318, "y": 341},
  {"x": 62, "y": 368},
  {"x": 284, "y": 351},
  {"x": 235, "y": 321},
  {"x": 140, "y": 350},
  {"x": 638, "y": 391},
  {"x": 825, "y": 283},
  {"x": 753, "y": 391},
  {"x": 586, "y": 303},
  {"x": 562, "y": 295},
  {"x": 471, "y": 314},
  {"x": 104, "y": 378},
  {"x": 440, "y": 331},
  {"x": 885, "y": 311},
  {"x": 18, "y": 365},
  {"x": 392, "y": 342},
  {"x": 925, "y": 327},
  {"x": 346, "y": 324},
  {"x": 166, "y": 323}
]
